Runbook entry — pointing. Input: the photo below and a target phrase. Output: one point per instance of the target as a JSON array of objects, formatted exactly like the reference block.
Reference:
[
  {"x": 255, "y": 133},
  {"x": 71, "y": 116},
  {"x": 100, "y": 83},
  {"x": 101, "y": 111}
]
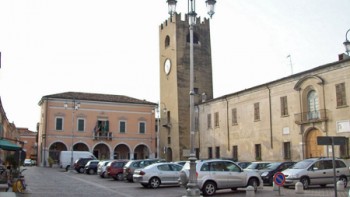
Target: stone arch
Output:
[
  {"x": 102, "y": 151},
  {"x": 311, "y": 147},
  {"x": 81, "y": 146},
  {"x": 141, "y": 151},
  {"x": 54, "y": 150},
  {"x": 121, "y": 151}
]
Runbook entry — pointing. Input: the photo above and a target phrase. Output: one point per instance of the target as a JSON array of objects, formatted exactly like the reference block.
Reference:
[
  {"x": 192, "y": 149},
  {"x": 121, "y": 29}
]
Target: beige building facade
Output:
[
  {"x": 279, "y": 120},
  {"x": 109, "y": 126}
]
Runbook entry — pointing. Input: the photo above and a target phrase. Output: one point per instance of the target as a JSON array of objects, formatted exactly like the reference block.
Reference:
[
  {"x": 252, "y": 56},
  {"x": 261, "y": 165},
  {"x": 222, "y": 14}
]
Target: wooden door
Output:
[{"x": 312, "y": 149}]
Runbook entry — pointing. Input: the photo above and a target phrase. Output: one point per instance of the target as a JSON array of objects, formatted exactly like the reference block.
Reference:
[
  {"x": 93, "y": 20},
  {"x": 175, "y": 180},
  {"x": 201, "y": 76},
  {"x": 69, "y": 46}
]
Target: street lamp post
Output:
[
  {"x": 192, "y": 15},
  {"x": 347, "y": 43},
  {"x": 75, "y": 107}
]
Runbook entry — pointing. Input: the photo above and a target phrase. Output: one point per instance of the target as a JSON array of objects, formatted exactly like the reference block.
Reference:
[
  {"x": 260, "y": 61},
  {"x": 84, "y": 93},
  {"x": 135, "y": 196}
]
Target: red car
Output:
[{"x": 115, "y": 169}]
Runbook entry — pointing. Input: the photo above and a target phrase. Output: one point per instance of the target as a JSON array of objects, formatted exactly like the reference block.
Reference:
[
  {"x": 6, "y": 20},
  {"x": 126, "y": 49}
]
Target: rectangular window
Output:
[
  {"x": 81, "y": 124},
  {"x": 102, "y": 127},
  {"x": 258, "y": 152},
  {"x": 216, "y": 119},
  {"x": 286, "y": 150},
  {"x": 340, "y": 94},
  {"x": 169, "y": 140},
  {"x": 256, "y": 112},
  {"x": 235, "y": 153},
  {"x": 122, "y": 126},
  {"x": 234, "y": 116},
  {"x": 210, "y": 153},
  {"x": 209, "y": 121},
  {"x": 142, "y": 127},
  {"x": 59, "y": 123},
  {"x": 217, "y": 152},
  {"x": 284, "y": 106}
]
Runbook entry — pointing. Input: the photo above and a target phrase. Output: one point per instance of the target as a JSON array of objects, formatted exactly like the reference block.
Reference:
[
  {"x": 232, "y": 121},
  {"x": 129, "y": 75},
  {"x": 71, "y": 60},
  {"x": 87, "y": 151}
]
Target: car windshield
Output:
[
  {"x": 302, "y": 164},
  {"x": 252, "y": 166},
  {"x": 273, "y": 166}
]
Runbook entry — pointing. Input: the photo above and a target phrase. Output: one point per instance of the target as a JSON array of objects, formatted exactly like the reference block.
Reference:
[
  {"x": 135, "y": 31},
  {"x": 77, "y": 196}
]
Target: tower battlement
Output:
[{"x": 177, "y": 17}]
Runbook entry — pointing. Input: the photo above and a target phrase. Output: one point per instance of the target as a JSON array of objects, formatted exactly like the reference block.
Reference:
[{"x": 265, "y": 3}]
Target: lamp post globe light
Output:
[
  {"x": 193, "y": 189},
  {"x": 75, "y": 107},
  {"x": 347, "y": 43}
]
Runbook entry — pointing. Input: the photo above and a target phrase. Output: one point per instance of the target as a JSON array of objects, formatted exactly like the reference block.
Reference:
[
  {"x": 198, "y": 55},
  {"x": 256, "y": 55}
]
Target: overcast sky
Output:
[{"x": 111, "y": 46}]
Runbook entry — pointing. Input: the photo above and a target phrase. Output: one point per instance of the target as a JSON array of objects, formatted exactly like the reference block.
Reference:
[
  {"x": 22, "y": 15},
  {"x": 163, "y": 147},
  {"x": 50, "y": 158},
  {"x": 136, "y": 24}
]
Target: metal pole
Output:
[
  {"x": 334, "y": 174},
  {"x": 193, "y": 189},
  {"x": 71, "y": 158},
  {"x": 158, "y": 124}
]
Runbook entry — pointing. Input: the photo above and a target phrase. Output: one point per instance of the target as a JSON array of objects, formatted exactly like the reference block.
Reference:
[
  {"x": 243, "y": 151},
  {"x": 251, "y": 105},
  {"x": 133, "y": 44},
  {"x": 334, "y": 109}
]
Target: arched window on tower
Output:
[
  {"x": 195, "y": 38},
  {"x": 167, "y": 41}
]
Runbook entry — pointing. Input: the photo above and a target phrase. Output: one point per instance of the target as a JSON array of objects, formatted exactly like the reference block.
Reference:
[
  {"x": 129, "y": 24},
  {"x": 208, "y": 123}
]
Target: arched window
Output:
[
  {"x": 167, "y": 41},
  {"x": 312, "y": 105}
]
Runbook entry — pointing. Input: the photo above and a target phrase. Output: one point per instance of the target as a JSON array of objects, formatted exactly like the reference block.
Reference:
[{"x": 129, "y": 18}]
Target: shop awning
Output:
[{"x": 7, "y": 145}]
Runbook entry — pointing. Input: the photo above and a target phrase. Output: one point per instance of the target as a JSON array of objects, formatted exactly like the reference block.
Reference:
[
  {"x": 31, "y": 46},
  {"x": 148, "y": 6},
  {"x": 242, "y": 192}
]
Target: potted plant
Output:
[{"x": 51, "y": 162}]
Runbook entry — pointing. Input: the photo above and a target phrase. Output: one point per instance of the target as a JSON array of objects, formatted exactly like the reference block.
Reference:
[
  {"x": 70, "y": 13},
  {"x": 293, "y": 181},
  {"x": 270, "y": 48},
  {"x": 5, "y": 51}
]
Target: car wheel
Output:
[
  {"x": 81, "y": 170},
  {"x": 91, "y": 171},
  {"x": 345, "y": 180},
  {"x": 154, "y": 182},
  {"x": 120, "y": 177},
  {"x": 305, "y": 182},
  {"x": 209, "y": 188},
  {"x": 103, "y": 175},
  {"x": 254, "y": 183}
]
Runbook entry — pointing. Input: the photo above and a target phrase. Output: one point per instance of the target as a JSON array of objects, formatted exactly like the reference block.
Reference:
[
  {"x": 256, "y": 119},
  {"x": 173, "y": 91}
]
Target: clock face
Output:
[{"x": 167, "y": 66}]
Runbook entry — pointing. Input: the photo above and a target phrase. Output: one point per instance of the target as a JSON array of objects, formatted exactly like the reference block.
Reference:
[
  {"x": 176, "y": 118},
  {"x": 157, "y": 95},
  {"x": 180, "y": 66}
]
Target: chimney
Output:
[{"x": 343, "y": 56}]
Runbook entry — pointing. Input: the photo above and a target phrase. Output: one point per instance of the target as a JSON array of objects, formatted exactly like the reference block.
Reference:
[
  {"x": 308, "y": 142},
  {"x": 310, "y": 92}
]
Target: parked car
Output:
[
  {"x": 219, "y": 174},
  {"x": 182, "y": 163},
  {"x": 129, "y": 167},
  {"x": 243, "y": 164},
  {"x": 27, "y": 162},
  {"x": 91, "y": 167},
  {"x": 114, "y": 169},
  {"x": 268, "y": 173},
  {"x": 80, "y": 163},
  {"x": 316, "y": 171},
  {"x": 157, "y": 174},
  {"x": 257, "y": 165},
  {"x": 66, "y": 157},
  {"x": 101, "y": 168}
]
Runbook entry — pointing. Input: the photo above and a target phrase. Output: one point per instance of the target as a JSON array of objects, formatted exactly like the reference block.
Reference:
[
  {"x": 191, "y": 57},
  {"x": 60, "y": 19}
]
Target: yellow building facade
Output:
[{"x": 279, "y": 120}]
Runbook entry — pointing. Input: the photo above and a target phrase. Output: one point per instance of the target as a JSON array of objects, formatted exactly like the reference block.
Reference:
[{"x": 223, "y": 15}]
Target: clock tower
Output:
[{"x": 174, "y": 60}]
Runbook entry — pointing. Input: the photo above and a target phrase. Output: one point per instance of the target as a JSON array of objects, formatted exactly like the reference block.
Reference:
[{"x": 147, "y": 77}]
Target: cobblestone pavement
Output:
[{"x": 54, "y": 182}]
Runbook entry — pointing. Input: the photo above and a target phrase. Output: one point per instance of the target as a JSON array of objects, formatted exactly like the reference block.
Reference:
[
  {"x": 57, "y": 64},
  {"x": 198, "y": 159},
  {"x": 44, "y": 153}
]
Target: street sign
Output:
[
  {"x": 279, "y": 178},
  {"x": 327, "y": 140}
]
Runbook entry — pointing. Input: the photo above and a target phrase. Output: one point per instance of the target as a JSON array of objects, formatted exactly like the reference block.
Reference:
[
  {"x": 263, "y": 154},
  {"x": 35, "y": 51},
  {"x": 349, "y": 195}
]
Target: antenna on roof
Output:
[{"x": 290, "y": 62}]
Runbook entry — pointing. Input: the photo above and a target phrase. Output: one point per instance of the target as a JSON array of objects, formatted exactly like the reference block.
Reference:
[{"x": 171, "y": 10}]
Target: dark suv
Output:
[
  {"x": 91, "y": 167},
  {"x": 115, "y": 169},
  {"x": 270, "y": 170},
  {"x": 80, "y": 163}
]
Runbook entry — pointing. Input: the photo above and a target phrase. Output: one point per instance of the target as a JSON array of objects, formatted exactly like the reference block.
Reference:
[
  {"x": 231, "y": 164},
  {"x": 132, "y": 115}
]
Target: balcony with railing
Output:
[
  {"x": 311, "y": 116},
  {"x": 102, "y": 135}
]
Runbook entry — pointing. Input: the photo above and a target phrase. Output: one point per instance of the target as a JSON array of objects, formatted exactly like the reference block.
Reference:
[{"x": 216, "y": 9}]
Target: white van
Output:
[{"x": 65, "y": 157}]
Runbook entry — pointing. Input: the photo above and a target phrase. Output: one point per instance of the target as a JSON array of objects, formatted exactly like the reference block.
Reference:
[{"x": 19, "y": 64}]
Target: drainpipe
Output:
[
  {"x": 301, "y": 132},
  {"x": 227, "y": 126},
  {"x": 45, "y": 131},
  {"x": 270, "y": 111}
]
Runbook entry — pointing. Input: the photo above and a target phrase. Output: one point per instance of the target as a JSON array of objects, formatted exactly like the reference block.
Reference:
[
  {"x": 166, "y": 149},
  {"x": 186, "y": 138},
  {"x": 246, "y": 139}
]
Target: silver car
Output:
[
  {"x": 316, "y": 171},
  {"x": 158, "y": 174},
  {"x": 219, "y": 174},
  {"x": 101, "y": 168}
]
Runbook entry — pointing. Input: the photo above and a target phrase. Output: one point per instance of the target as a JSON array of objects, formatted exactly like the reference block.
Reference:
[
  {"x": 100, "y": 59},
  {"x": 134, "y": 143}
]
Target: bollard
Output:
[
  {"x": 299, "y": 188},
  {"x": 340, "y": 186},
  {"x": 249, "y": 192}
]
